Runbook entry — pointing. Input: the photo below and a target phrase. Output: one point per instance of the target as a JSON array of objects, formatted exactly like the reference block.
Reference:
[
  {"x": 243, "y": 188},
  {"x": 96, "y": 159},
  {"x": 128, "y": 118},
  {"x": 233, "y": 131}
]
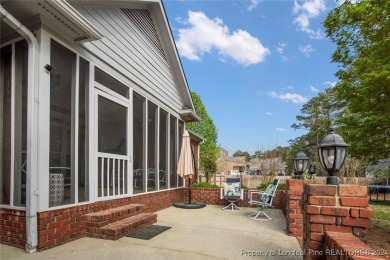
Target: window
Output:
[
  {"x": 152, "y": 147},
  {"x": 83, "y": 188},
  {"x": 173, "y": 152},
  {"x": 13, "y": 123},
  {"x": 68, "y": 184},
  {"x": 5, "y": 144},
  {"x": 163, "y": 149},
  {"x": 61, "y": 125},
  {"x": 180, "y": 137},
  {"x": 138, "y": 143},
  {"x": 112, "y": 127},
  {"x": 111, "y": 83}
]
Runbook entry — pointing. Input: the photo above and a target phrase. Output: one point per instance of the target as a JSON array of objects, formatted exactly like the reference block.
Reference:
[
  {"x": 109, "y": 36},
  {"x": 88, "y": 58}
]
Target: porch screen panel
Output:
[
  {"x": 5, "y": 124},
  {"x": 83, "y": 175},
  {"x": 61, "y": 124},
  {"x": 173, "y": 152},
  {"x": 163, "y": 149},
  {"x": 111, "y": 83},
  {"x": 20, "y": 140},
  {"x": 112, "y": 127},
  {"x": 152, "y": 147},
  {"x": 138, "y": 143},
  {"x": 180, "y": 137},
  {"x": 112, "y": 142}
]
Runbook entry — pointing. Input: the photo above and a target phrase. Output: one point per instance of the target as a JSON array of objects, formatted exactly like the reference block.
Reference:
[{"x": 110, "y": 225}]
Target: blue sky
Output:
[{"x": 254, "y": 64}]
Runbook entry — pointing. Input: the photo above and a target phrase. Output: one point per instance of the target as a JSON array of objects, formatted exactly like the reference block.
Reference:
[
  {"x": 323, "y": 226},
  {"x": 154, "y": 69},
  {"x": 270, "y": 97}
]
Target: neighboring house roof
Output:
[
  {"x": 381, "y": 165},
  {"x": 237, "y": 159},
  {"x": 64, "y": 16},
  {"x": 195, "y": 137}
]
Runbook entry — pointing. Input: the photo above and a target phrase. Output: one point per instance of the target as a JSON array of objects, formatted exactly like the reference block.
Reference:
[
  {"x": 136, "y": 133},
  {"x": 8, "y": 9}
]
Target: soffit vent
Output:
[
  {"x": 57, "y": 16},
  {"x": 143, "y": 22}
]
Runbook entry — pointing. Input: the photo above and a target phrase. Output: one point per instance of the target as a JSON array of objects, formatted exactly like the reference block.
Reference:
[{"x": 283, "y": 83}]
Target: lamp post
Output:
[
  {"x": 332, "y": 153},
  {"x": 300, "y": 164}
]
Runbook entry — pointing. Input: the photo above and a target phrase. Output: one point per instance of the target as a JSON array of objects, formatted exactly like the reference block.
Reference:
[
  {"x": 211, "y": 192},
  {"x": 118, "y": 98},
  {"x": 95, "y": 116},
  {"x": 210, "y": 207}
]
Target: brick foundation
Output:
[
  {"x": 56, "y": 227},
  {"x": 60, "y": 226},
  {"x": 331, "y": 208},
  {"x": 13, "y": 227}
]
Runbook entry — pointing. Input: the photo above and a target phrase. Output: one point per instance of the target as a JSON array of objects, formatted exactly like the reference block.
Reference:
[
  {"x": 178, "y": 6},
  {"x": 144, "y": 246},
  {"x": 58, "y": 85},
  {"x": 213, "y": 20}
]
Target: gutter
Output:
[{"x": 32, "y": 129}]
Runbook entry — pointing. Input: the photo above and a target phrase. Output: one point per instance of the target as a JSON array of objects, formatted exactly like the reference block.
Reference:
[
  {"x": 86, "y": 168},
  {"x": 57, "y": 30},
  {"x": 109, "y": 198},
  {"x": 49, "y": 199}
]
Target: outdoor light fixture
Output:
[
  {"x": 300, "y": 164},
  {"x": 312, "y": 170},
  {"x": 332, "y": 153}
]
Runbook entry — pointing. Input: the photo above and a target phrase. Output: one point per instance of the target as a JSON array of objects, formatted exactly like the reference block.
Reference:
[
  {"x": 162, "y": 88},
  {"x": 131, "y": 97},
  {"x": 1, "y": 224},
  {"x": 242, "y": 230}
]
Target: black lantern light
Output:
[
  {"x": 300, "y": 164},
  {"x": 312, "y": 170},
  {"x": 332, "y": 153}
]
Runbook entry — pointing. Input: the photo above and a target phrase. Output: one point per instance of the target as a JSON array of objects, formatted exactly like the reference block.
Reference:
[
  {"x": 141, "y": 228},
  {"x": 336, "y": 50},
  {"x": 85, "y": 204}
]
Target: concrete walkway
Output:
[{"x": 207, "y": 233}]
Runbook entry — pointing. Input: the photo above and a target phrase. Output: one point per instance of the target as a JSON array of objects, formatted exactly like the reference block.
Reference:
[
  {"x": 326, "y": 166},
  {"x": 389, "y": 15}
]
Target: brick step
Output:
[
  {"x": 105, "y": 217},
  {"x": 123, "y": 227}
]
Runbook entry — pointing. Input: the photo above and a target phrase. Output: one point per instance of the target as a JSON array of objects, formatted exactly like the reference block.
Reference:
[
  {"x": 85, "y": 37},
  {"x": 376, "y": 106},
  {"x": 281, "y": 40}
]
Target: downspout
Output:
[{"x": 32, "y": 129}]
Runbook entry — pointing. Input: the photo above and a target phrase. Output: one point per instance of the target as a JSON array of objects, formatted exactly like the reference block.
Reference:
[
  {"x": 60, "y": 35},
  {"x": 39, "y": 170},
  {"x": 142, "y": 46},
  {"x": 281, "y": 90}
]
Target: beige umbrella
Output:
[{"x": 185, "y": 166}]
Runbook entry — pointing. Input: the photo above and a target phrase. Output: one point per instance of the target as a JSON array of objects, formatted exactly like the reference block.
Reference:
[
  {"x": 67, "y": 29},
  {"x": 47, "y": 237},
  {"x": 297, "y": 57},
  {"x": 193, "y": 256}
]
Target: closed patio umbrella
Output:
[{"x": 185, "y": 166}]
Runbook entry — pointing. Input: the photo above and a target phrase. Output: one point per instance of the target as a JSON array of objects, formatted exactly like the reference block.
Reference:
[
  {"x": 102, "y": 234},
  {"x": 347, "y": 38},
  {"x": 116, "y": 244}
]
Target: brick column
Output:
[
  {"x": 327, "y": 208},
  {"x": 294, "y": 193}
]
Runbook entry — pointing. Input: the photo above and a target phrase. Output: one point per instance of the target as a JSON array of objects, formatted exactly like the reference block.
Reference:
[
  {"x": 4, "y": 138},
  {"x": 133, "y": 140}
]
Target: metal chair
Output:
[
  {"x": 264, "y": 201},
  {"x": 232, "y": 192}
]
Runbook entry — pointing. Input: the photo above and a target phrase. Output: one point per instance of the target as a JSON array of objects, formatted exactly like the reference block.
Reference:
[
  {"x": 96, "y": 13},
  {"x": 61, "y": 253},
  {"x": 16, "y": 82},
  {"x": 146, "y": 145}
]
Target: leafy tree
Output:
[
  {"x": 317, "y": 117},
  {"x": 361, "y": 32},
  {"x": 257, "y": 154},
  {"x": 207, "y": 129},
  {"x": 245, "y": 154}
]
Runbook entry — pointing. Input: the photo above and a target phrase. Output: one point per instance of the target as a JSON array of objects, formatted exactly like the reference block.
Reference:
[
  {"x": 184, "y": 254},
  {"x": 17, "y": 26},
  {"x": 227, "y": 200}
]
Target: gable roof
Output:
[
  {"x": 76, "y": 27},
  {"x": 157, "y": 10}
]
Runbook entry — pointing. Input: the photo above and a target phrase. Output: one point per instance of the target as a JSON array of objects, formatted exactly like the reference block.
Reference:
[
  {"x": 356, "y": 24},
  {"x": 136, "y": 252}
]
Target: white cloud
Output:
[
  {"x": 252, "y": 5},
  {"x": 269, "y": 114},
  {"x": 314, "y": 89},
  {"x": 205, "y": 34},
  {"x": 330, "y": 83},
  {"x": 280, "y": 129},
  {"x": 280, "y": 49},
  {"x": 288, "y": 87},
  {"x": 292, "y": 97},
  {"x": 306, "y": 50},
  {"x": 307, "y": 10}
]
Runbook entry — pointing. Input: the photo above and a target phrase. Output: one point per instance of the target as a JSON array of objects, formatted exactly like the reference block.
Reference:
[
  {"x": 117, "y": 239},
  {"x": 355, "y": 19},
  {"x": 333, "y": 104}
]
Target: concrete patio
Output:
[{"x": 207, "y": 233}]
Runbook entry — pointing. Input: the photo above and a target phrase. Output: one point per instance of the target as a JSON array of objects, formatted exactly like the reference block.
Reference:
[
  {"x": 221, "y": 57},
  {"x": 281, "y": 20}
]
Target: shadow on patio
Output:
[{"x": 207, "y": 233}]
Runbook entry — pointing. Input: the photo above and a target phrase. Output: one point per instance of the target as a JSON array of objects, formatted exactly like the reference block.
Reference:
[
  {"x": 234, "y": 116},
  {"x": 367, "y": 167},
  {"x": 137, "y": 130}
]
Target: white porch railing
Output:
[{"x": 112, "y": 175}]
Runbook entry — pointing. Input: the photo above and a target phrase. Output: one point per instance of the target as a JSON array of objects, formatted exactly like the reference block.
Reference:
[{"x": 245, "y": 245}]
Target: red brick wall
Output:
[
  {"x": 331, "y": 208},
  {"x": 293, "y": 207},
  {"x": 13, "y": 227},
  {"x": 347, "y": 246},
  {"x": 60, "y": 226},
  {"x": 213, "y": 197}
]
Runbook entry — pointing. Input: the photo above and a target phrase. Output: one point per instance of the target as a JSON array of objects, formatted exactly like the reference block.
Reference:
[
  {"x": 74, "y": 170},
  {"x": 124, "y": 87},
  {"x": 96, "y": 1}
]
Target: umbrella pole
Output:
[{"x": 189, "y": 190}]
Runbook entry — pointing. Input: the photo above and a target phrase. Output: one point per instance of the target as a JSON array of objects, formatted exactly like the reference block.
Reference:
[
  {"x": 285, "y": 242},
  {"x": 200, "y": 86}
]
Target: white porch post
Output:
[{"x": 32, "y": 130}]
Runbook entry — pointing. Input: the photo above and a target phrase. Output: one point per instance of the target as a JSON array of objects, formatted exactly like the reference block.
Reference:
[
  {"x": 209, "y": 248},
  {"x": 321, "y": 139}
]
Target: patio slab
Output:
[{"x": 207, "y": 233}]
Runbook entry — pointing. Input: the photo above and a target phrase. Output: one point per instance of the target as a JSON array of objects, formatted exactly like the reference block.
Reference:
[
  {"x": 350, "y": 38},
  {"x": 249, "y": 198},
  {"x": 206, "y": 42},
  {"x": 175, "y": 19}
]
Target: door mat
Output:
[{"x": 149, "y": 232}]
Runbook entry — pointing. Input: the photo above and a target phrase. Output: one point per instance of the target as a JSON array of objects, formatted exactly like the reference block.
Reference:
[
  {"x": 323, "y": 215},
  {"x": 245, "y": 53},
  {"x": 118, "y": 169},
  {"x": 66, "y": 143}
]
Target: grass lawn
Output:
[{"x": 378, "y": 235}]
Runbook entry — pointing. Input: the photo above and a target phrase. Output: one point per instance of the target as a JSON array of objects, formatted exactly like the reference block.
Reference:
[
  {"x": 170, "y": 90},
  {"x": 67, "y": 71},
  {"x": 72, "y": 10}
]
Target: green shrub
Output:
[
  {"x": 263, "y": 186},
  {"x": 204, "y": 185}
]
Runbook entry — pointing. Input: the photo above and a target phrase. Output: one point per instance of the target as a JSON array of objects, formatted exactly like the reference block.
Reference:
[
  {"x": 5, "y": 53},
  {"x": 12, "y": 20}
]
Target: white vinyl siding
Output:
[{"x": 133, "y": 52}]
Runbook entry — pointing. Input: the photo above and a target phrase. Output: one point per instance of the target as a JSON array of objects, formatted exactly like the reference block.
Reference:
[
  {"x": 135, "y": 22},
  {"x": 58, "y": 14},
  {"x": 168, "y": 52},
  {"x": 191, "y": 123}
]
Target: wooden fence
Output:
[{"x": 252, "y": 181}]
